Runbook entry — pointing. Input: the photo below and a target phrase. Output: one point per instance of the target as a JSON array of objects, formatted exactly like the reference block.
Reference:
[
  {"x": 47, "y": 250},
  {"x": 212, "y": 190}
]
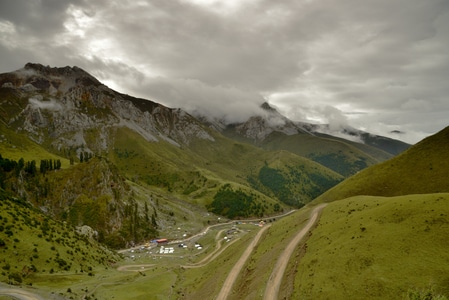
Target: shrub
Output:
[
  {"x": 15, "y": 276},
  {"x": 427, "y": 294}
]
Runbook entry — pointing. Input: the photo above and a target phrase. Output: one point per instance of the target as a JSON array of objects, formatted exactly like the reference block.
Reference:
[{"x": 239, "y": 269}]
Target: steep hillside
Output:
[
  {"x": 343, "y": 157},
  {"x": 32, "y": 243},
  {"x": 422, "y": 169},
  {"x": 91, "y": 193},
  {"x": 377, "y": 248},
  {"x": 197, "y": 173}
]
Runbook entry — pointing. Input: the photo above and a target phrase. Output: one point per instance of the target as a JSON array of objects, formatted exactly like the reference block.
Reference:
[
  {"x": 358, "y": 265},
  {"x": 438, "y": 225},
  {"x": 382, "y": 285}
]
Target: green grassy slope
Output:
[
  {"x": 15, "y": 146},
  {"x": 342, "y": 156},
  {"x": 421, "y": 169},
  {"x": 195, "y": 173},
  {"x": 370, "y": 247},
  {"x": 32, "y": 243},
  {"x": 377, "y": 248}
]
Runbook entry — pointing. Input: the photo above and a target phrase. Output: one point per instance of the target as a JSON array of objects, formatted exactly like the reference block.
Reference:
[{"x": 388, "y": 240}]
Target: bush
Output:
[
  {"x": 427, "y": 294},
  {"x": 15, "y": 277}
]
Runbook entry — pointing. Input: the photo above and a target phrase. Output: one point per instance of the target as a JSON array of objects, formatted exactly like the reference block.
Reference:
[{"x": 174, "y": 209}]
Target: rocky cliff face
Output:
[{"x": 58, "y": 105}]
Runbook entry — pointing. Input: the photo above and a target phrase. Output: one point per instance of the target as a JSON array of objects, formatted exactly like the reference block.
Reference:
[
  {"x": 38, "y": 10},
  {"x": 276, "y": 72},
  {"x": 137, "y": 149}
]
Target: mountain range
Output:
[
  {"x": 123, "y": 170},
  {"x": 67, "y": 114}
]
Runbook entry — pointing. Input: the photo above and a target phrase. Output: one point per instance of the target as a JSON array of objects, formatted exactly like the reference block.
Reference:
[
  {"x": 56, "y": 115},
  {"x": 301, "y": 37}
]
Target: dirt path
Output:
[
  {"x": 274, "y": 282},
  {"x": 232, "y": 276},
  {"x": 218, "y": 250},
  {"x": 135, "y": 268},
  {"x": 18, "y": 293}
]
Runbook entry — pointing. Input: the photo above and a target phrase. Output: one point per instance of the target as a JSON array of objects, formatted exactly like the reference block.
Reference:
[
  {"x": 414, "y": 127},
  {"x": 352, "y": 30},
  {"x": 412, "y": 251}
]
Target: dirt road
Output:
[
  {"x": 274, "y": 282},
  {"x": 136, "y": 268},
  {"x": 232, "y": 276},
  {"x": 18, "y": 293}
]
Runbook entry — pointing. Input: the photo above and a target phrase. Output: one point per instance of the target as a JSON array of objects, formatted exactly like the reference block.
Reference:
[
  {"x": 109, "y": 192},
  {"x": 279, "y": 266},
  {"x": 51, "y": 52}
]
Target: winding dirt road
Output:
[
  {"x": 18, "y": 293},
  {"x": 274, "y": 282},
  {"x": 232, "y": 276}
]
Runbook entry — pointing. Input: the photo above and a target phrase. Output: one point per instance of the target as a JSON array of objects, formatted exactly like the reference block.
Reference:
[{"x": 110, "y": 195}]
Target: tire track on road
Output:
[
  {"x": 274, "y": 282},
  {"x": 232, "y": 276}
]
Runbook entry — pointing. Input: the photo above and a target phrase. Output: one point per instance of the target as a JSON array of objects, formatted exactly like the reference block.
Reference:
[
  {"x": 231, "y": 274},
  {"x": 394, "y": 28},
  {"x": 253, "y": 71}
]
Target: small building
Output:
[{"x": 161, "y": 241}]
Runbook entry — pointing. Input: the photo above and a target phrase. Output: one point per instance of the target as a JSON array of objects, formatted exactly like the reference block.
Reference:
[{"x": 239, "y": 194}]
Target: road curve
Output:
[
  {"x": 17, "y": 293},
  {"x": 232, "y": 276},
  {"x": 274, "y": 282}
]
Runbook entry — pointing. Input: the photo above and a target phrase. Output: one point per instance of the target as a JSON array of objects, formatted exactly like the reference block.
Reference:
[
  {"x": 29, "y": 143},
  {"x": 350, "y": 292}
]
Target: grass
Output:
[
  {"x": 195, "y": 173},
  {"x": 346, "y": 156},
  {"x": 35, "y": 245},
  {"x": 422, "y": 169},
  {"x": 203, "y": 282},
  {"x": 363, "y": 248},
  {"x": 15, "y": 146},
  {"x": 252, "y": 281},
  {"x": 377, "y": 248},
  {"x": 157, "y": 284}
]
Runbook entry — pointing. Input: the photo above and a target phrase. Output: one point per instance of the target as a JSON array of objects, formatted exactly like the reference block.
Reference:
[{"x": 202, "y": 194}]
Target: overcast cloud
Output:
[{"x": 377, "y": 65}]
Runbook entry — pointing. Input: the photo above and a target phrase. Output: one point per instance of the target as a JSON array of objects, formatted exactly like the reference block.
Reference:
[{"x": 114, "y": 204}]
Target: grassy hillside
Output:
[
  {"x": 198, "y": 172},
  {"x": 15, "y": 146},
  {"x": 32, "y": 244},
  {"x": 422, "y": 169},
  {"x": 343, "y": 157},
  {"x": 377, "y": 248}
]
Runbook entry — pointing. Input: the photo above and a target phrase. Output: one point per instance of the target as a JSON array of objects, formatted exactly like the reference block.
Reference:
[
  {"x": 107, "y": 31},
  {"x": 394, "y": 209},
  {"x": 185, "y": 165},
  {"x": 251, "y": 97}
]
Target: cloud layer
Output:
[{"x": 378, "y": 65}]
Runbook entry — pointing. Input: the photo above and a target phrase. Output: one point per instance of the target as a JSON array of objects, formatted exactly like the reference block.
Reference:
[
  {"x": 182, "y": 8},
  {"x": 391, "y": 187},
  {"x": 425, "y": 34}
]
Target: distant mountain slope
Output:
[
  {"x": 343, "y": 157},
  {"x": 346, "y": 154},
  {"x": 422, "y": 169}
]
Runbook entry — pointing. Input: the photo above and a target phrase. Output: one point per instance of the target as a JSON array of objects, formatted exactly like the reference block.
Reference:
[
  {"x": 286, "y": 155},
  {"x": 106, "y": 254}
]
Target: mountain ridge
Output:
[
  {"x": 73, "y": 116},
  {"x": 273, "y": 131}
]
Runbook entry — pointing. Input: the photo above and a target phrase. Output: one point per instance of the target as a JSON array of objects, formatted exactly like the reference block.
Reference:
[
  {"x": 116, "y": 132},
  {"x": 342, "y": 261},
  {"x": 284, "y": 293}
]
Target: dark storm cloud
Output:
[
  {"x": 40, "y": 18},
  {"x": 316, "y": 60}
]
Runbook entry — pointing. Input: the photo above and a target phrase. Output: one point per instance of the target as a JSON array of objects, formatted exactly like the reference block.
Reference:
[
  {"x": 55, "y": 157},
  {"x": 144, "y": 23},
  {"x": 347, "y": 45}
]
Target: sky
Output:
[{"x": 377, "y": 65}]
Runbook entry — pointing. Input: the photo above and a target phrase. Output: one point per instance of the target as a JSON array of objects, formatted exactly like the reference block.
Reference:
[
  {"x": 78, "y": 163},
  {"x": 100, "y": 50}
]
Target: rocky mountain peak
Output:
[
  {"x": 266, "y": 106},
  {"x": 55, "y": 71},
  {"x": 58, "y": 105},
  {"x": 75, "y": 74}
]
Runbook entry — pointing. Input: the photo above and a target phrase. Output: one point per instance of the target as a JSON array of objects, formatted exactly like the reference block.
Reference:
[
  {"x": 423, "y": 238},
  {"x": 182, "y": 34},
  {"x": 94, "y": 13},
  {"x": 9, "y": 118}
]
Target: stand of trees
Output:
[
  {"x": 29, "y": 167},
  {"x": 235, "y": 203}
]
